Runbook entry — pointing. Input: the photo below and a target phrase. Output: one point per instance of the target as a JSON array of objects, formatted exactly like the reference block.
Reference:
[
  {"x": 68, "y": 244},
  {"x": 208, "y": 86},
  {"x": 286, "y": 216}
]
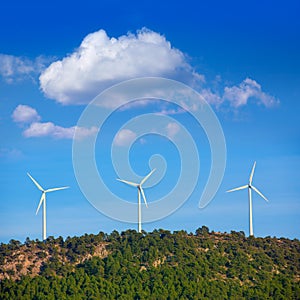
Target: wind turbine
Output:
[
  {"x": 140, "y": 191},
  {"x": 43, "y": 200},
  {"x": 250, "y": 188}
]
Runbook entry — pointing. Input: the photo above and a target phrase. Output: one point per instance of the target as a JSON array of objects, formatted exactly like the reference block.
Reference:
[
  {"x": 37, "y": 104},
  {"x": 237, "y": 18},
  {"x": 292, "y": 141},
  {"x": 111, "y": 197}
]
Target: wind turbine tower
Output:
[
  {"x": 250, "y": 187},
  {"x": 140, "y": 192},
  {"x": 43, "y": 200}
]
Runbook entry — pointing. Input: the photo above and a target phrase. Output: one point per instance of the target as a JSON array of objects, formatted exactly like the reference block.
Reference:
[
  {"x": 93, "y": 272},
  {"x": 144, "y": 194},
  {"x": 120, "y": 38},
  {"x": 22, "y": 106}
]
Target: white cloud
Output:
[
  {"x": 143, "y": 141},
  {"x": 25, "y": 114},
  {"x": 38, "y": 129},
  {"x": 12, "y": 154},
  {"x": 10, "y": 65},
  {"x": 211, "y": 97},
  {"x": 172, "y": 129},
  {"x": 82, "y": 132},
  {"x": 101, "y": 61},
  {"x": 248, "y": 88},
  {"x": 15, "y": 68},
  {"x": 124, "y": 137}
]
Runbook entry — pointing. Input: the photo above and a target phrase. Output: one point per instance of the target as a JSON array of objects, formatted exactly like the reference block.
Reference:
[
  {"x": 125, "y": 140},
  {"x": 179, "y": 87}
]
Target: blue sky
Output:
[{"x": 243, "y": 58}]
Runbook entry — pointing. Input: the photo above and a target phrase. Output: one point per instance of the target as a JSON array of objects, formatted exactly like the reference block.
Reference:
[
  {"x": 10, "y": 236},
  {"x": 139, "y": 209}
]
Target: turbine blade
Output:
[
  {"x": 259, "y": 193},
  {"x": 36, "y": 183},
  {"x": 238, "y": 188},
  {"x": 252, "y": 172},
  {"x": 56, "y": 189},
  {"x": 144, "y": 197},
  {"x": 128, "y": 182},
  {"x": 41, "y": 201},
  {"x": 146, "y": 177}
]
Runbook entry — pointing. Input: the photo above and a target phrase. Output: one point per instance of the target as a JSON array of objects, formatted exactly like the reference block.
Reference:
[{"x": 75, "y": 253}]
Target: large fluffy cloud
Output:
[{"x": 101, "y": 61}]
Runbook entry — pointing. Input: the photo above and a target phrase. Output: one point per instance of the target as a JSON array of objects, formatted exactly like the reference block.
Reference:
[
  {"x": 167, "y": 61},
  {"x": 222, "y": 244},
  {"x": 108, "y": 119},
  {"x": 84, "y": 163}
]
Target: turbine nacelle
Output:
[
  {"x": 140, "y": 192},
  {"x": 249, "y": 185},
  {"x": 139, "y": 185}
]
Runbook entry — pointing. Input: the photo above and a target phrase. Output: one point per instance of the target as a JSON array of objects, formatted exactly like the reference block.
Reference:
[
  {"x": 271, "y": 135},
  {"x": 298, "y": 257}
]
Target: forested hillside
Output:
[{"x": 154, "y": 265}]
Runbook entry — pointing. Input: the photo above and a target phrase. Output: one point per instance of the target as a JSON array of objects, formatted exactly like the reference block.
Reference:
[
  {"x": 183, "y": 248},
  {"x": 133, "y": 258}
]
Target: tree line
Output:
[{"x": 153, "y": 265}]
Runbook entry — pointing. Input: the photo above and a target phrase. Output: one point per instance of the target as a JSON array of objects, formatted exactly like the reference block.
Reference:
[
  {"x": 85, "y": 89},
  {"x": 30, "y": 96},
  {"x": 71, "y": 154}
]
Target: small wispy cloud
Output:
[
  {"x": 11, "y": 153},
  {"x": 240, "y": 95},
  {"x": 172, "y": 129},
  {"x": 28, "y": 116},
  {"x": 124, "y": 137},
  {"x": 38, "y": 129},
  {"x": 49, "y": 129},
  {"x": 171, "y": 111},
  {"x": 83, "y": 132},
  {"x": 232, "y": 97},
  {"x": 14, "y": 68},
  {"x": 211, "y": 97},
  {"x": 25, "y": 114}
]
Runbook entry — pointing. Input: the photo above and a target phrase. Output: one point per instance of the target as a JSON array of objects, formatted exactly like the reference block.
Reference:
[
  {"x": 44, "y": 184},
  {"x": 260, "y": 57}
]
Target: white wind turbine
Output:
[
  {"x": 140, "y": 191},
  {"x": 43, "y": 200},
  {"x": 250, "y": 188}
]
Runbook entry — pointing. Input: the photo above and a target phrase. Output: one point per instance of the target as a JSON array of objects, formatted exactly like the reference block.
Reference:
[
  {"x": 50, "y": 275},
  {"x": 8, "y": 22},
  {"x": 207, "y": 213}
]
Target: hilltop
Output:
[{"x": 154, "y": 265}]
